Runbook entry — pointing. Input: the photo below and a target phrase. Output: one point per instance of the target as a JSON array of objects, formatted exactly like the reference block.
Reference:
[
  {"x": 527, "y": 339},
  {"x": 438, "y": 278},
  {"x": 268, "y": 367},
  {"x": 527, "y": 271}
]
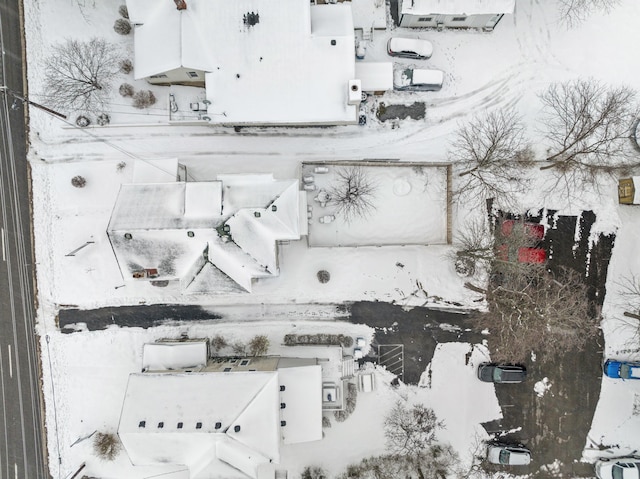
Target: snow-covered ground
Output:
[{"x": 84, "y": 385}]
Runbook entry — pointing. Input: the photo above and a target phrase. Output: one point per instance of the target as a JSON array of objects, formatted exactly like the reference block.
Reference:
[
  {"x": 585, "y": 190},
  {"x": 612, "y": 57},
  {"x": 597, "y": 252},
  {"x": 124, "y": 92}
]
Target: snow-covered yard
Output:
[{"x": 85, "y": 384}]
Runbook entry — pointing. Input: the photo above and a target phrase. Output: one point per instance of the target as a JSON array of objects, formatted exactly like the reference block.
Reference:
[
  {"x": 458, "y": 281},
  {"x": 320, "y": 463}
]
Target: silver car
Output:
[
  {"x": 418, "y": 79},
  {"x": 618, "y": 468},
  {"x": 507, "y": 455},
  {"x": 409, "y": 48}
]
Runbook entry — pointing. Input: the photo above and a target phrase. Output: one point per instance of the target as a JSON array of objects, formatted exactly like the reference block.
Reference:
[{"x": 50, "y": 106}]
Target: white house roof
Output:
[
  {"x": 375, "y": 76},
  {"x": 175, "y": 205},
  {"x": 171, "y": 417},
  {"x": 291, "y": 64},
  {"x": 303, "y": 399},
  {"x": 458, "y": 7},
  {"x": 257, "y": 230},
  {"x": 174, "y": 355},
  {"x": 169, "y": 226}
]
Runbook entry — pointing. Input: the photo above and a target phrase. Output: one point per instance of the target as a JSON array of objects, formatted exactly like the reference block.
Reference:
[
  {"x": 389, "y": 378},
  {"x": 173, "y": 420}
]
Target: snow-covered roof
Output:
[
  {"x": 172, "y": 417},
  {"x": 171, "y": 227},
  {"x": 175, "y": 205},
  {"x": 257, "y": 230},
  {"x": 375, "y": 76},
  {"x": 303, "y": 417},
  {"x": 290, "y": 64},
  {"x": 174, "y": 355},
  {"x": 455, "y": 7}
]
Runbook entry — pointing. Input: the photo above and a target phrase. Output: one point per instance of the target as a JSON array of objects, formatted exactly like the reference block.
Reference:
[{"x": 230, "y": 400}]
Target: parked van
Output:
[{"x": 418, "y": 79}]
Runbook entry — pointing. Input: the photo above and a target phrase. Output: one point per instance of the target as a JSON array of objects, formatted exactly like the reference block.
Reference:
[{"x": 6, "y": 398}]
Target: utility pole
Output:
[{"x": 32, "y": 103}]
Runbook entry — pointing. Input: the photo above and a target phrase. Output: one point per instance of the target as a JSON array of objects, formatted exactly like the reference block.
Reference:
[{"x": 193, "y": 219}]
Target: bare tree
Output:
[
  {"x": 409, "y": 431},
  {"x": 353, "y": 193},
  {"x": 587, "y": 125},
  {"x": 106, "y": 446},
  {"x": 574, "y": 12},
  {"x": 475, "y": 247},
  {"x": 532, "y": 309},
  {"x": 259, "y": 345},
  {"x": 630, "y": 302},
  {"x": 79, "y": 74},
  {"x": 489, "y": 154}
]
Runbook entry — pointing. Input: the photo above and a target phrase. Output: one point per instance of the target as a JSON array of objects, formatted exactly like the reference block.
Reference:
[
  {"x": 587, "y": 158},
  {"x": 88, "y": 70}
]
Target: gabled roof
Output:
[
  {"x": 458, "y": 7},
  {"x": 171, "y": 227},
  {"x": 246, "y": 404}
]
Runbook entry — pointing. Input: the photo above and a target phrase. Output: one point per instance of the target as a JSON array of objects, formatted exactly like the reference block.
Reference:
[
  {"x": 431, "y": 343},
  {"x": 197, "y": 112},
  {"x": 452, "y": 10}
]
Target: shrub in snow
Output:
[
  {"x": 323, "y": 276},
  {"x": 122, "y": 26},
  {"x": 106, "y": 446},
  {"x": 126, "y": 66},
  {"x": 83, "y": 121},
  {"x": 217, "y": 343},
  {"x": 326, "y": 422},
  {"x": 239, "y": 349},
  {"x": 143, "y": 99},
  {"x": 410, "y": 430},
  {"x": 351, "y": 395},
  {"x": 103, "y": 119},
  {"x": 259, "y": 345},
  {"x": 322, "y": 339},
  {"x": 123, "y": 11},
  {"x": 313, "y": 472},
  {"x": 126, "y": 90},
  {"x": 78, "y": 181}
]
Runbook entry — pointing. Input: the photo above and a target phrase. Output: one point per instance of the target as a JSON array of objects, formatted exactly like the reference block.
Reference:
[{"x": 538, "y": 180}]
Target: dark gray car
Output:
[{"x": 501, "y": 373}]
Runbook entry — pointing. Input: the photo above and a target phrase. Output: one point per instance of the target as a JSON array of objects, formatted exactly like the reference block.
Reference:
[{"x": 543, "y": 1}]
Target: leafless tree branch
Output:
[
  {"x": 353, "y": 193},
  {"x": 489, "y": 154},
  {"x": 79, "y": 74},
  {"x": 574, "y": 12}
]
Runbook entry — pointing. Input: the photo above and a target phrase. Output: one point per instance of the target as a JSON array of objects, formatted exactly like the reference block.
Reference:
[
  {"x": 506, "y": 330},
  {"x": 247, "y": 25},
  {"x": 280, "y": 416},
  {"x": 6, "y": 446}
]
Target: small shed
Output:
[{"x": 629, "y": 190}]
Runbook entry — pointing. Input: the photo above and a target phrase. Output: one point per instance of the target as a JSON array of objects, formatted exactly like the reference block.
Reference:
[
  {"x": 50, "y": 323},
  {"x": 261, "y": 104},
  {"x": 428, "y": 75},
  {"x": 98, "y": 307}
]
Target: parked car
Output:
[
  {"x": 529, "y": 252},
  {"x": 508, "y": 455},
  {"x": 621, "y": 369},
  {"x": 618, "y": 468},
  {"x": 409, "y": 48},
  {"x": 418, "y": 79},
  {"x": 501, "y": 373}
]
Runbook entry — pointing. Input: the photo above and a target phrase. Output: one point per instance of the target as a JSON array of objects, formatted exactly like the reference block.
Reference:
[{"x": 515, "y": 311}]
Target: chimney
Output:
[{"x": 181, "y": 4}]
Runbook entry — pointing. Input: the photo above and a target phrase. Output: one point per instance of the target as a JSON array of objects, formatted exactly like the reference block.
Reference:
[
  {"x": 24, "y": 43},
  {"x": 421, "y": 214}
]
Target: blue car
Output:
[{"x": 621, "y": 369}]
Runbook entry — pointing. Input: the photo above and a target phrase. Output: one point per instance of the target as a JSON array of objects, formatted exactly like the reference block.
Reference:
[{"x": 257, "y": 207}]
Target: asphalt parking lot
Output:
[{"x": 554, "y": 424}]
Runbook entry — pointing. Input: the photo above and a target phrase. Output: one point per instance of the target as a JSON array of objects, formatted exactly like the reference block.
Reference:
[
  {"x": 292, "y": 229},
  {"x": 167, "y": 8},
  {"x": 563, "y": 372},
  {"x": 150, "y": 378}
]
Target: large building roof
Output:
[
  {"x": 282, "y": 62},
  {"x": 230, "y": 418}
]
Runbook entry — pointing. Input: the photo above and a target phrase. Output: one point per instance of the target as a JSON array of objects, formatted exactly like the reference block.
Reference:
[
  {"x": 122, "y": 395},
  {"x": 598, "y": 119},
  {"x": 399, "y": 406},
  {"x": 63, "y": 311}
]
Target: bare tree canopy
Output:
[
  {"x": 409, "y": 431},
  {"x": 353, "y": 193},
  {"x": 574, "y": 12},
  {"x": 79, "y": 74},
  {"x": 489, "y": 153},
  {"x": 531, "y": 309},
  {"x": 587, "y": 125}
]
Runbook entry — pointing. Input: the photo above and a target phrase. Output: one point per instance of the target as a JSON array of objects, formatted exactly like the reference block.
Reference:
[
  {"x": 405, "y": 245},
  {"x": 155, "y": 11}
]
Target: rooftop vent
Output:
[
  {"x": 142, "y": 423},
  {"x": 180, "y": 4},
  {"x": 160, "y": 425},
  {"x": 282, "y": 388},
  {"x": 282, "y": 405},
  {"x": 283, "y": 423},
  {"x": 236, "y": 428},
  {"x": 180, "y": 425},
  {"x": 218, "y": 425},
  {"x": 198, "y": 425}
]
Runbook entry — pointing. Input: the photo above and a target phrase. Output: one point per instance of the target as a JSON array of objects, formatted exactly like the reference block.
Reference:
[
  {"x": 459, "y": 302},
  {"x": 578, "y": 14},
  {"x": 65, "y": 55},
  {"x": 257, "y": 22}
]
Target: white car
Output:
[
  {"x": 508, "y": 455},
  {"x": 417, "y": 79},
  {"x": 409, "y": 48},
  {"x": 618, "y": 468}
]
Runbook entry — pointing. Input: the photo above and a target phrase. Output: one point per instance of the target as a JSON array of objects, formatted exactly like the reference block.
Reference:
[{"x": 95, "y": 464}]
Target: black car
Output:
[{"x": 501, "y": 373}]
